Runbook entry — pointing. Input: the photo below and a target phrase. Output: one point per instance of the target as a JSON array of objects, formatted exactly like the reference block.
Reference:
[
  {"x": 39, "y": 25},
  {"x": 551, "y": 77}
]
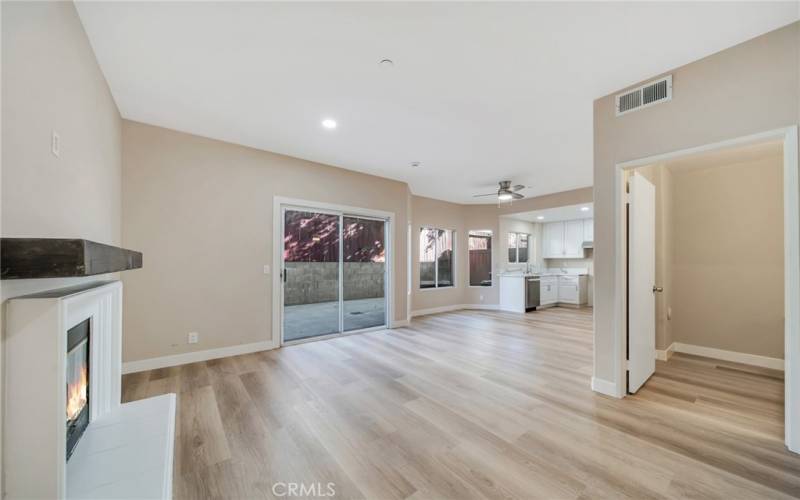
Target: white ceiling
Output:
[
  {"x": 569, "y": 212},
  {"x": 480, "y": 92}
]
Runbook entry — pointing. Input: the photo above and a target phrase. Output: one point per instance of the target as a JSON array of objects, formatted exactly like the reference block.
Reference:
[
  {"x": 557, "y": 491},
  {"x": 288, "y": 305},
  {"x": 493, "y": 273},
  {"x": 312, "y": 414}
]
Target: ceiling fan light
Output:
[{"x": 504, "y": 196}]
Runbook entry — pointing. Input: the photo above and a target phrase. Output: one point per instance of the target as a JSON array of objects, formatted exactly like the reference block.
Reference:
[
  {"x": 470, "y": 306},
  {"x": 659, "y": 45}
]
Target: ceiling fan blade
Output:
[
  {"x": 518, "y": 187},
  {"x": 479, "y": 195},
  {"x": 517, "y": 196}
]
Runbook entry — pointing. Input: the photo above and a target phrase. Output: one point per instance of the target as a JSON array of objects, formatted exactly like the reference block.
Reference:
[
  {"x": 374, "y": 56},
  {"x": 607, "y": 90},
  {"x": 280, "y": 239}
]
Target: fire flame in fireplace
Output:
[{"x": 76, "y": 394}]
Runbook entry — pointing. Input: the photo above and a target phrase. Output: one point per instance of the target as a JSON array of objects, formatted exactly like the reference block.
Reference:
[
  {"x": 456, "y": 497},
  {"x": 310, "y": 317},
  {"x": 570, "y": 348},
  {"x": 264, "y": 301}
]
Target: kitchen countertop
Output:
[
  {"x": 540, "y": 275},
  {"x": 545, "y": 275}
]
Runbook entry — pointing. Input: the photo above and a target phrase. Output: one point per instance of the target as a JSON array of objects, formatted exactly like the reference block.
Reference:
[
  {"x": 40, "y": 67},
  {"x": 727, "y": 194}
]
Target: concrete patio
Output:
[{"x": 312, "y": 320}]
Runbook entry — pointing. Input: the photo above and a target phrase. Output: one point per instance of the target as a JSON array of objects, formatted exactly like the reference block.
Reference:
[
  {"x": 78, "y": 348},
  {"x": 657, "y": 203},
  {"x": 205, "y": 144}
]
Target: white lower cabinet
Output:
[
  {"x": 572, "y": 290},
  {"x": 548, "y": 290},
  {"x": 563, "y": 290},
  {"x": 568, "y": 292}
]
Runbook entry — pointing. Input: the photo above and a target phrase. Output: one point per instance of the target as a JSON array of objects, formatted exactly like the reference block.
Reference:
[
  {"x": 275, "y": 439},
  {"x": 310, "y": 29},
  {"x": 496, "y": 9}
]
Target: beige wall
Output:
[
  {"x": 749, "y": 88},
  {"x": 483, "y": 217},
  {"x": 507, "y": 225},
  {"x": 201, "y": 211},
  {"x": 51, "y": 81},
  {"x": 429, "y": 212},
  {"x": 727, "y": 256}
]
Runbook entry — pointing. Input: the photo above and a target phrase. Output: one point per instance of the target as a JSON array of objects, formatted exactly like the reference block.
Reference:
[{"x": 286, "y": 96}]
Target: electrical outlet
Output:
[
  {"x": 55, "y": 144},
  {"x": 192, "y": 338},
  {"x": 481, "y": 298}
]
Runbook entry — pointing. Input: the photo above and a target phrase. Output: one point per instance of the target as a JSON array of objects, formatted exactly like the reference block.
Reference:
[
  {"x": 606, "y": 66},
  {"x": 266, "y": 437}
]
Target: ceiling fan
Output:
[{"x": 507, "y": 192}]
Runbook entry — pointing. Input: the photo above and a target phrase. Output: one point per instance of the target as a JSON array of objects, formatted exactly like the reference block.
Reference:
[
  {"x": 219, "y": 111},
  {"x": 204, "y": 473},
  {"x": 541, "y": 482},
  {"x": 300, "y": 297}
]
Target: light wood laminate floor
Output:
[{"x": 472, "y": 404}]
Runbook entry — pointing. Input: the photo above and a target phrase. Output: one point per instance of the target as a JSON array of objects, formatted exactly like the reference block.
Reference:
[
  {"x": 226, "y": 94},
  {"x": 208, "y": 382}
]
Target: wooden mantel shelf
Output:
[{"x": 27, "y": 258}]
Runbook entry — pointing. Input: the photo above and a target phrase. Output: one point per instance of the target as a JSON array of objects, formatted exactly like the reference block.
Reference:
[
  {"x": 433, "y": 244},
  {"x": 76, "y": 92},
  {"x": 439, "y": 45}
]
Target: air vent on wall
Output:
[{"x": 644, "y": 96}]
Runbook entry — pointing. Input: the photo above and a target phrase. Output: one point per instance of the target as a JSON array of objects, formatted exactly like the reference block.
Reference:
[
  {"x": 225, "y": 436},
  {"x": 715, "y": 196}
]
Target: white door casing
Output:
[
  {"x": 641, "y": 282},
  {"x": 615, "y": 387}
]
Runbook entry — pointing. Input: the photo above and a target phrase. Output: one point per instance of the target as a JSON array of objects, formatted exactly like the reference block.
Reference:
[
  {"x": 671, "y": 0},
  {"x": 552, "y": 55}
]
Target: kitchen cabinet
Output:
[
  {"x": 553, "y": 240},
  {"x": 588, "y": 230},
  {"x": 512, "y": 292},
  {"x": 573, "y": 239},
  {"x": 548, "y": 293},
  {"x": 553, "y": 289},
  {"x": 567, "y": 290},
  {"x": 573, "y": 290},
  {"x": 564, "y": 240}
]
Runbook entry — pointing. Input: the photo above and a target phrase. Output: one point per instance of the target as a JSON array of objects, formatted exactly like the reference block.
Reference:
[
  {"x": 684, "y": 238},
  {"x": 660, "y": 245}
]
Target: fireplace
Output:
[{"x": 77, "y": 383}]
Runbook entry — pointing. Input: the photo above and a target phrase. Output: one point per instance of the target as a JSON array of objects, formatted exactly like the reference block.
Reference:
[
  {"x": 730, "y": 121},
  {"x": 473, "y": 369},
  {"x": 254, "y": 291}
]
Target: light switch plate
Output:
[
  {"x": 55, "y": 144},
  {"x": 266, "y": 269}
]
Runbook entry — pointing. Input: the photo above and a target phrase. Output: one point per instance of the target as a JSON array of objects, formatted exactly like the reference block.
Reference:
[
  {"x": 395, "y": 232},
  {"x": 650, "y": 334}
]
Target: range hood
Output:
[
  {"x": 28, "y": 258},
  {"x": 587, "y": 244}
]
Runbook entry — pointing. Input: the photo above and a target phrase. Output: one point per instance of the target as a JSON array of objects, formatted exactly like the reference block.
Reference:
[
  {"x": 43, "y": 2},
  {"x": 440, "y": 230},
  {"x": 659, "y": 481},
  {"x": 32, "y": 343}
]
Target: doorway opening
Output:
[
  {"x": 708, "y": 273},
  {"x": 334, "y": 272}
]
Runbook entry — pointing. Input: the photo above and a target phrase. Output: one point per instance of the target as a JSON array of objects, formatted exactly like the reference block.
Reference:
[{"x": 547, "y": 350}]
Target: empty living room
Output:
[{"x": 399, "y": 250}]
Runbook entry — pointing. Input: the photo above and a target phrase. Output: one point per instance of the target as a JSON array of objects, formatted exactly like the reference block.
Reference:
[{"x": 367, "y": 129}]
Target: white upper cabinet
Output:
[
  {"x": 553, "y": 240},
  {"x": 564, "y": 240},
  {"x": 588, "y": 230},
  {"x": 573, "y": 238}
]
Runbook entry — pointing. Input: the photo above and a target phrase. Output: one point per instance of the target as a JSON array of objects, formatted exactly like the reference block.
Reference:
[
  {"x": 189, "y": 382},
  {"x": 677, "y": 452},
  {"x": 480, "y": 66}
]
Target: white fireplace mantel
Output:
[{"x": 34, "y": 425}]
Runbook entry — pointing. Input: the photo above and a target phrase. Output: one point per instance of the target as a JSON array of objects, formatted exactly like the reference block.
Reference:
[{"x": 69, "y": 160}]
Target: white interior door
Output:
[{"x": 641, "y": 282}]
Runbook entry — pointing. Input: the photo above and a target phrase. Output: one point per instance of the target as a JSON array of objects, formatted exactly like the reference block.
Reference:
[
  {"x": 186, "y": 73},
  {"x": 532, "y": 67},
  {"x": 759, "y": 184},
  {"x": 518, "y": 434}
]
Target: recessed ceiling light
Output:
[
  {"x": 584, "y": 209},
  {"x": 386, "y": 63},
  {"x": 540, "y": 217},
  {"x": 329, "y": 124}
]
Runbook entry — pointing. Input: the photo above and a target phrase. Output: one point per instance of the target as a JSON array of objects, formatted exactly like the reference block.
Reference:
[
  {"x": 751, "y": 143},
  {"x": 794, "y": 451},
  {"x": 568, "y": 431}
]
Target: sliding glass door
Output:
[
  {"x": 311, "y": 305},
  {"x": 364, "y": 273},
  {"x": 334, "y": 273}
]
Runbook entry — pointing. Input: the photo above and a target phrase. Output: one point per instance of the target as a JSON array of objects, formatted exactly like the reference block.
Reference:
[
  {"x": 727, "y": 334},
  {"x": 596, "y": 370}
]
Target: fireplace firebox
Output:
[{"x": 77, "y": 383}]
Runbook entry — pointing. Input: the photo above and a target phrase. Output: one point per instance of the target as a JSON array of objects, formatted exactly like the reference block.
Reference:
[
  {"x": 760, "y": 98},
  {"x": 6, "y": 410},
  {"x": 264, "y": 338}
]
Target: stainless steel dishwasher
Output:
[{"x": 532, "y": 293}]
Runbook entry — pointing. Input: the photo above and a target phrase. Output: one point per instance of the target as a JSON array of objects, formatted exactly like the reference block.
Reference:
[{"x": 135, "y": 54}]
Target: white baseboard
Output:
[
  {"x": 454, "y": 307},
  {"x": 400, "y": 323},
  {"x": 193, "y": 357},
  {"x": 604, "y": 387},
  {"x": 435, "y": 310},
  {"x": 664, "y": 355},
  {"x": 482, "y": 307},
  {"x": 736, "y": 357}
]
